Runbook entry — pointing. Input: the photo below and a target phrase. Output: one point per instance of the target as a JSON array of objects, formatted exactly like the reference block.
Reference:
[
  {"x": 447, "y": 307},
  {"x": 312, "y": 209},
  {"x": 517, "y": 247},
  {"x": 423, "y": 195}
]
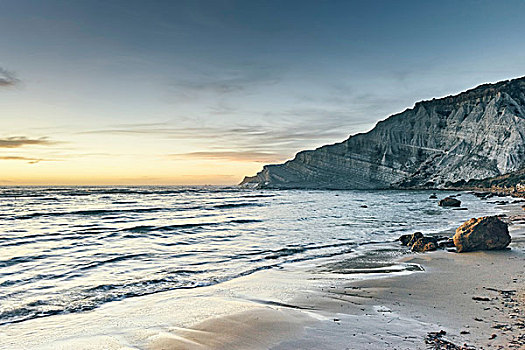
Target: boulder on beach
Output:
[
  {"x": 485, "y": 233},
  {"x": 449, "y": 202},
  {"x": 425, "y": 244}
]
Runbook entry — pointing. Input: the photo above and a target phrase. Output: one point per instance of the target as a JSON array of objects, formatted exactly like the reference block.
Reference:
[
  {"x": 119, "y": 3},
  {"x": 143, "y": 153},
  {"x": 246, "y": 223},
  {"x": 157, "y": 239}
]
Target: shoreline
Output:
[
  {"x": 368, "y": 299},
  {"x": 477, "y": 300}
]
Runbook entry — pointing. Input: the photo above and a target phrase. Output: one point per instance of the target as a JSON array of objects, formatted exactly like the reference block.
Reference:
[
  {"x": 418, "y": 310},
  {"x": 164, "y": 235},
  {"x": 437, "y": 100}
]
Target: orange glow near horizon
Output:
[{"x": 133, "y": 171}]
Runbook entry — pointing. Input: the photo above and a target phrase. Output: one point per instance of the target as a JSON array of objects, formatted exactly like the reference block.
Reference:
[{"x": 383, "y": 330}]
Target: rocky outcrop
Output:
[
  {"x": 474, "y": 135},
  {"x": 414, "y": 238},
  {"x": 449, "y": 202},
  {"x": 512, "y": 184},
  {"x": 425, "y": 244},
  {"x": 417, "y": 242},
  {"x": 485, "y": 233}
]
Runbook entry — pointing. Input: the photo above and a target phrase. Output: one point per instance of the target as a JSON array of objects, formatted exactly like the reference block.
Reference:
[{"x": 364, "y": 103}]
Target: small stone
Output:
[{"x": 481, "y": 298}]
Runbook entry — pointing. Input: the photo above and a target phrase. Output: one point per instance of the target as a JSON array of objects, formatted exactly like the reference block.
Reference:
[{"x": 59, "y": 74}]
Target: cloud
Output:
[
  {"x": 21, "y": 141},
  {"x": 236, "y": 156},
  {"x": 29, "y": 160},
  {"x": 243, "y": 79},
  {"x": 263, "y": 141},
  {"x": 272, "y": 139},
  {"x": 7, "y": 78}
]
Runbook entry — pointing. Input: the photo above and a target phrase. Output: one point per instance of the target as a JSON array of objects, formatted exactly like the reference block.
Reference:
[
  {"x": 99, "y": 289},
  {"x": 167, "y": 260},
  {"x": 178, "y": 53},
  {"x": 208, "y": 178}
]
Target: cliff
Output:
[{"x": 477, "y": 134}]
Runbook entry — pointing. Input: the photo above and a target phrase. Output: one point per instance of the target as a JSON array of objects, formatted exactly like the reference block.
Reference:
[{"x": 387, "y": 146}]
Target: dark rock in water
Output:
[
  {"x": 460, "y": 209},
  {"x": 413, "y": 238},
  {"x": 477, "y": 134},
  {"x": 433, "y": 196},
  {"x": 425, "y": 244},
  {"x": 485, "y": 233},
  {"x": 449, "y": 202},
  {"x": 446, "y": 244},
  {"x": 364, "y": 206},
  {"x": 404, "y": 239}
]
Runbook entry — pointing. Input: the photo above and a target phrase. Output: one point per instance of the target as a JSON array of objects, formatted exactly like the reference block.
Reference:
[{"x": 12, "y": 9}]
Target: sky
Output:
[{"x": 206, "y": 92}]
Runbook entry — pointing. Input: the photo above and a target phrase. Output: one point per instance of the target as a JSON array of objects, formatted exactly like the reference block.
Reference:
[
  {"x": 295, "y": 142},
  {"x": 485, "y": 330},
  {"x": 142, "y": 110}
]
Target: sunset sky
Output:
[{"x": 206, "y": 92}]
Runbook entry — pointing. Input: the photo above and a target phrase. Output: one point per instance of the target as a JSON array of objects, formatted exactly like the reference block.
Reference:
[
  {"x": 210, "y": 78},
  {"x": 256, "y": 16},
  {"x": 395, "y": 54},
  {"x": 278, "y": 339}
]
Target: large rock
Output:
[
  {"x": 474, "y": 135},
  {"x": 449, "y": 202},
  {"x": 485, "y": 233}
]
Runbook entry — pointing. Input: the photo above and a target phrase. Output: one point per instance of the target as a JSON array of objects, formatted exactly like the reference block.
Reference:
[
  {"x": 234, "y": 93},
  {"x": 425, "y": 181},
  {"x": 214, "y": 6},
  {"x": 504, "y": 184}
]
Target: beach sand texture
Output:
[{"x": 476, "y": 298}]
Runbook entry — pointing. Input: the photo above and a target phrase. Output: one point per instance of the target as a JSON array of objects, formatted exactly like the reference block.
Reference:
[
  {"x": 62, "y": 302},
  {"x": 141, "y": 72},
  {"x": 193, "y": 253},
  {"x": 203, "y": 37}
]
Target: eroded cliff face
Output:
[{"x": 474, "y": 135}]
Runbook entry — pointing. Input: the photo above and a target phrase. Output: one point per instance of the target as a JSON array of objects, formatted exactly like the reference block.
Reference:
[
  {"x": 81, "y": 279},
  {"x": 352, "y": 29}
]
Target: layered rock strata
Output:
[{"x": 477, "y": 134}]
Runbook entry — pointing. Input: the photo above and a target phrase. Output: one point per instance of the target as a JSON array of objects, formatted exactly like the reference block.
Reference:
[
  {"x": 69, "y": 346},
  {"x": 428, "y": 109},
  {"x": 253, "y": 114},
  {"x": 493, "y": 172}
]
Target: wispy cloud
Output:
[
  {"x": 272, "y": 139},
  {"x": 243, "y": 79},
  {"x": 7, "y": 78},
  {"x": 263, "y": 141},
  {"x": 29, "y": 160},
  {"x": 21, "y": 141},
  {"x": 236, "y": 156}
]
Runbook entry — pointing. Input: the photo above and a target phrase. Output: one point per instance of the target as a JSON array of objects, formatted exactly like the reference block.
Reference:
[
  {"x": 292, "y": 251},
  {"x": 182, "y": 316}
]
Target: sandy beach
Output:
[{"x": 476, "y": 300}]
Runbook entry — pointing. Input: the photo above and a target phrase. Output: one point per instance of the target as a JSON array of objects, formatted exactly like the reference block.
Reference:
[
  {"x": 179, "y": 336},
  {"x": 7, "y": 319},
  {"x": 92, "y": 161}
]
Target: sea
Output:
[{"x": 67, "y": 250}]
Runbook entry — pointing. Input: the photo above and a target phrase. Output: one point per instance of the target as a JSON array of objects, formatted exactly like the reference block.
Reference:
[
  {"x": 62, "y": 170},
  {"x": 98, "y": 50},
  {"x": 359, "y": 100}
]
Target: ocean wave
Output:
[
  {"x": 91, "y": 212},
  {"x": 115, "y": 259},
  {"x": 22, "y": 259},
  {"x": 151, "y": 228},
  {"x": 245, "y": 221},
  {"x": 237, "y": 205}
]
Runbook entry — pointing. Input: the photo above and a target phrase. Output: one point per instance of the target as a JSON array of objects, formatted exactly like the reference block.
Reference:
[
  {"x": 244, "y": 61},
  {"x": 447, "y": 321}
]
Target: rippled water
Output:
[{"x": 72, "y": 249}]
